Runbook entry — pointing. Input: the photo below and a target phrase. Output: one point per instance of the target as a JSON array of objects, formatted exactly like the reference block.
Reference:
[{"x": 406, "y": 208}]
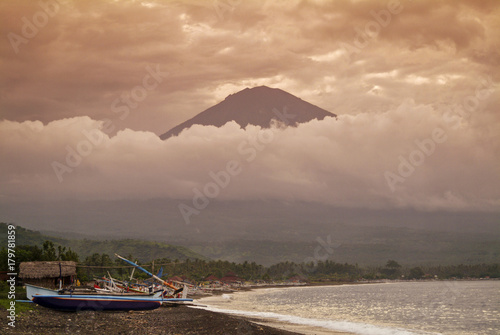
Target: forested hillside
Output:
[{"x": 142, "y": 250}]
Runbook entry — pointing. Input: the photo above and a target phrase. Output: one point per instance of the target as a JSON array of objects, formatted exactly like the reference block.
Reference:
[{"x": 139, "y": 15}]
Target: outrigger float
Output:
[{"x": 87, "y": 299}]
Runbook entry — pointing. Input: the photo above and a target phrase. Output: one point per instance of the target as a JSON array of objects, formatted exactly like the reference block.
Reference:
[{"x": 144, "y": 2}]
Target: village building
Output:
[
  {"x": 211, "y": 279},
  {"x": 296, "y": 279},
  {"x": 48, "y": 274},
  {"x": 231, "y": 278}
]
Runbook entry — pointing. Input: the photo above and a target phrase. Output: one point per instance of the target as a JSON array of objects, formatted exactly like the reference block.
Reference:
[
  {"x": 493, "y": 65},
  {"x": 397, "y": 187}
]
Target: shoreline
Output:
[
  {"x": 333, "y": 283},
  {"x": 180, "y": 319},
  {"x": 295, "y": 328},
  {"x": 303, "y": 328},
  {"x": 167, "y": 320},
  {"x": 270, "y": 286}
]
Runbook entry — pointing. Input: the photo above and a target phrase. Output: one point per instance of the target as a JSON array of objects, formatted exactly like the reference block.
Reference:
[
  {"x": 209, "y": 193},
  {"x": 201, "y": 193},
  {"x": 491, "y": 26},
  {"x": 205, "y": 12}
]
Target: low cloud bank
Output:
[{"x": 415, "y": 156}]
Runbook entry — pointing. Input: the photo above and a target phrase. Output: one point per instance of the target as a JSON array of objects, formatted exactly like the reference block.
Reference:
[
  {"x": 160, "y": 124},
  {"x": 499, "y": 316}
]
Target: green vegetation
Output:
[
  {"x": 364, "y": 245},
  {"x": 99, "y": 264},
  {"x": 29, "y": 253},
  {"x": 197, "y": 270},
  {"x": 20, "y": 295},
  {"x": 142, "y": 250},
  {"x": 98, "y": 259}
]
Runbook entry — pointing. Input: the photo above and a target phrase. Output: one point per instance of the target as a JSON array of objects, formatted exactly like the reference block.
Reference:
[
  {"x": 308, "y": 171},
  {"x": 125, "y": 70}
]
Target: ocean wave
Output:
[{"x": 336, "y": 325}]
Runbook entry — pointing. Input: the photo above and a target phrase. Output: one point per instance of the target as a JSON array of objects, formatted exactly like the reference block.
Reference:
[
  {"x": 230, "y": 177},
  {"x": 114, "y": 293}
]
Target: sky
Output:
[{"x": 87, "y": 87}]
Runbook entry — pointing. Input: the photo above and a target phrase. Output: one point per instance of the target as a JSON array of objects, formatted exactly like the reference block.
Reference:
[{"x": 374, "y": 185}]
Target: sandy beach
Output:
[{"x": 173, "y": 319}]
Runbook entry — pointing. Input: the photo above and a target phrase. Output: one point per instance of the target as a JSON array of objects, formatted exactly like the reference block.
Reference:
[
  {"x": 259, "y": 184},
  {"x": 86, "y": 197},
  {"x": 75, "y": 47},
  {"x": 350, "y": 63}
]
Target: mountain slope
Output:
[
  {"x": 142, "y": 250},
  {"x": 257, "y": 106}
]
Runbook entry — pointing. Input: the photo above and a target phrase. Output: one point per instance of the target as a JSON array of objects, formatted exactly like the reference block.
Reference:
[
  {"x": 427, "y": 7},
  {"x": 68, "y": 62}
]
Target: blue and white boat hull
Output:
[{"x": 76, "y": 303}]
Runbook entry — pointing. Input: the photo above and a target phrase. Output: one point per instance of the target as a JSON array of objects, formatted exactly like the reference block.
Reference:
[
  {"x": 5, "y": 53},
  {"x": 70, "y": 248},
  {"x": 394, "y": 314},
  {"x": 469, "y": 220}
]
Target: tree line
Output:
[{"x": 196, "y": 270}]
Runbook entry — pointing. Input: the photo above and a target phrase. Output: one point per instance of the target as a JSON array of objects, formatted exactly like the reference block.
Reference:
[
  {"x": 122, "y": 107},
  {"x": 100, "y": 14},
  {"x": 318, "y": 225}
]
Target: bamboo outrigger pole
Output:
[
  {"x": 176, "y": 290},
  {"x": 132, "y": 274}
]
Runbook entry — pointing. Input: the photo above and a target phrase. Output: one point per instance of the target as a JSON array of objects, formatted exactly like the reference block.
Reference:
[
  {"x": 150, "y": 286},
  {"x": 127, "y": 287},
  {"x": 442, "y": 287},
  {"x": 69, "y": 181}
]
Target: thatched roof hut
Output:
[
  {"x": 47, "y": 273},
  {"x": 47, "y": 269}
]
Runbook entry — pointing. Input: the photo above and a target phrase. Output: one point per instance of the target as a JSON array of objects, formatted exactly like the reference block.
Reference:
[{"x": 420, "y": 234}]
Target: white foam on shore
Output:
[
  {"x": 344, "y": 326},
  {"x": 227, "y": 296}
]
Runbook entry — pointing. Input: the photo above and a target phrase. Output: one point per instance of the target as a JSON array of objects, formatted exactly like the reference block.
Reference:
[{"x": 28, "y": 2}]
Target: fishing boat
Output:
[
  {"x": 68, "y": 301},
  {"x": 113, "y": 285},
  {"x": 75, "y": 303},
  {"x": 175, "y": 290},
  {"x": 79, "y": 299},
  {"x": 32, "y": 290}
]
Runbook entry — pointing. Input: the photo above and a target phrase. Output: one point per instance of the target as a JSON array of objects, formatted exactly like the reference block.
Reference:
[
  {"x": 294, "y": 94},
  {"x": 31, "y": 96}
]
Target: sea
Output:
[{"x": 392, "y": 308}]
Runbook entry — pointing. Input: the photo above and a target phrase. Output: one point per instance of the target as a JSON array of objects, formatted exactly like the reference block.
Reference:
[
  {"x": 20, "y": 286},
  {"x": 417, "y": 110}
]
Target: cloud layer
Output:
[
  {"x": 347, "y": 57},
  {"x": 87, "y": 85},
  {"x": 410, "y": 156}
]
